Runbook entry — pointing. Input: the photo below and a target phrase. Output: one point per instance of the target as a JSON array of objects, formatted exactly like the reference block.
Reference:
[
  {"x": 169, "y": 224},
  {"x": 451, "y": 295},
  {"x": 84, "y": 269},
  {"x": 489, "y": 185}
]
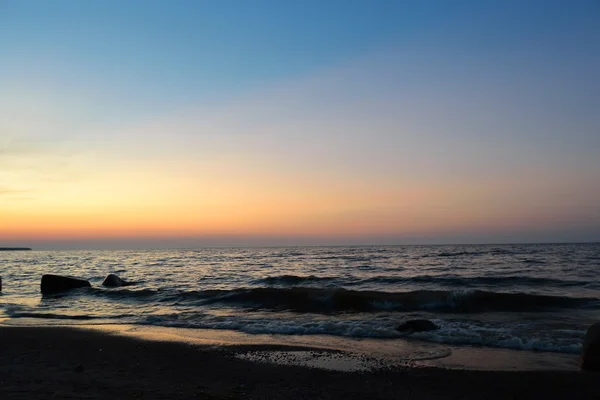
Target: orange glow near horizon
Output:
[
  {"x": 168, "y": 207},
  {"x": 367, "y": 129}
]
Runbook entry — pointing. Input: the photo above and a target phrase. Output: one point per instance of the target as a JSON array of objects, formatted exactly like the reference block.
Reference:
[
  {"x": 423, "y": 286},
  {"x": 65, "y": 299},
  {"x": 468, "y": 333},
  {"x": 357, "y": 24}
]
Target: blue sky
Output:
[
  {"x": 155, "y": 55},
  {"x": 395, "y": 121},
  {"x": 175, "y": 52}
]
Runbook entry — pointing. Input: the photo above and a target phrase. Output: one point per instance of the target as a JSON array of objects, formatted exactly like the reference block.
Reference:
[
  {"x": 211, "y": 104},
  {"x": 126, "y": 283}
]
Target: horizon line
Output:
[{"x": 313, "y": 246}]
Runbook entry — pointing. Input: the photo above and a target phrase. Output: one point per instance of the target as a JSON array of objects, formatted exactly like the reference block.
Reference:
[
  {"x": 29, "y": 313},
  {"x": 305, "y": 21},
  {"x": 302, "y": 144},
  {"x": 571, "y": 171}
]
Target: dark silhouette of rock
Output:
[
  {"x": 416, "y": 325},
  {"x": 113, "y": 280},
  {"x": 590, "y": 352},
  {"x": 56, "y": 283},
  {"x": 15, "y": 249}
]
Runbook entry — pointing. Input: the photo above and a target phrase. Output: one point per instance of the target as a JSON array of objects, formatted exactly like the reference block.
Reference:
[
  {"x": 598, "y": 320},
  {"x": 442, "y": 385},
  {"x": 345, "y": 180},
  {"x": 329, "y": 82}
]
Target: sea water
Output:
[{"x": 528, "y": 297}]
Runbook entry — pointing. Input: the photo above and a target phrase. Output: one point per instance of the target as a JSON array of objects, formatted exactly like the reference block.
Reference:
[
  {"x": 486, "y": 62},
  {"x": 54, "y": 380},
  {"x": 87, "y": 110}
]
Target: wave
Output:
[
  {"x": 457, "y": 280},
  {"x": 325, "y": 300},
  {"x": 454, "y": 254},
  {"x": 358, "y": 258},
  {"x": 125, "y": 293},
  {"x": 460, "y": 253},
  {"x": 304, "y": 299},
  {"x": 531, "y": 261},
  {"x": 514, "y": 335},
  {"x": 492, "y": 252},
  {"x": 334, "y": 300},
  {"x": 468, "y": 332},
  {"x": 294, "y": 279},
  {"x": 440, "y": 280},
  {"x": 49, "y": 316},
  {"x": 510, "y": 336},
  {"x": 501, "y": 252}
]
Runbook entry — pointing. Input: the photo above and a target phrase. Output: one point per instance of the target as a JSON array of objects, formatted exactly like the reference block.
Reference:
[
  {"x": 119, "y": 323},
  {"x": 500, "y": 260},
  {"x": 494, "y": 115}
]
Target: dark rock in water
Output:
[
  {"x": 417, "y": 325},
  {"x": 590, "y": 352},
  {"x": 113, "y": 280},
  {"x": 56, "y": 283}
]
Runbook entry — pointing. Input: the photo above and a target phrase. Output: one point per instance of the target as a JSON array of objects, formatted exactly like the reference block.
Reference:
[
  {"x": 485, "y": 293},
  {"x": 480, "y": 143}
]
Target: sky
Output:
[{"x": 145, "y": 124}]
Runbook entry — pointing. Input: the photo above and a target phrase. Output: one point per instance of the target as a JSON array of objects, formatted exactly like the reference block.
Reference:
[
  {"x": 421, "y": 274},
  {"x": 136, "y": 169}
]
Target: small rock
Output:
[
  {"x": 56, "y": 283},
  {"x": 590, "y": 352},
  {"x": 113, "y": 280}
]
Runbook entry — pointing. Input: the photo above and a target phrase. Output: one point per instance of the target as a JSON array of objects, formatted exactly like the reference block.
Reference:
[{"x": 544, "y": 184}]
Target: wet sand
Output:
[{"x": 70, "y": 363}]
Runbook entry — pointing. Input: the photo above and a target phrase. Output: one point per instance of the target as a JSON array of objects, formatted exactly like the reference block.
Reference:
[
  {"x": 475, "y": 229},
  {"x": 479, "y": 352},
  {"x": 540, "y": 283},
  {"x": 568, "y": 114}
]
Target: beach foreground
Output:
[{"x": 60, "y": 363}]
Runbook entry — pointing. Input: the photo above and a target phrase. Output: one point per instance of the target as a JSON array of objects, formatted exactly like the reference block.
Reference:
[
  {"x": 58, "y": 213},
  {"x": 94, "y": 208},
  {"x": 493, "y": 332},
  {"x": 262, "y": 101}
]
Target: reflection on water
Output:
[{"x": 530, "y": 297}]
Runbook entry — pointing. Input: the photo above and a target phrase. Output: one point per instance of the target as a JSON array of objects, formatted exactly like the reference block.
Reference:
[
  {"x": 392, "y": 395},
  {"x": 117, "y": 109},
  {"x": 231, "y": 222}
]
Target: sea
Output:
[{"x": 538, "y": 297}]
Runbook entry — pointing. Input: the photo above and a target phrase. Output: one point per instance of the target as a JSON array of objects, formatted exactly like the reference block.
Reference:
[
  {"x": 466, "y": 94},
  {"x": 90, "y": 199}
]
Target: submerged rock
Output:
[
  {"x": 113, "y": 280},
  {"x": 417, "y": 325},
  {"x": 590, "y": 352},
  {"x": 56, "y": 283}
]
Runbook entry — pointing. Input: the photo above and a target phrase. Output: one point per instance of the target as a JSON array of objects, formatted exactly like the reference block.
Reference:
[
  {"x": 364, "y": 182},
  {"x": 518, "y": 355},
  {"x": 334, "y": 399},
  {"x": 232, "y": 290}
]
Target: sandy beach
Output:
[{"x": 69, "y": 363}]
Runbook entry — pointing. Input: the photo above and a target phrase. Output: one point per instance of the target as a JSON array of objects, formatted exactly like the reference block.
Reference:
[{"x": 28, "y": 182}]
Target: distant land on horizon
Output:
[
  {"x": 15, "y": 248},
  {"x": 175, "y": 246}
]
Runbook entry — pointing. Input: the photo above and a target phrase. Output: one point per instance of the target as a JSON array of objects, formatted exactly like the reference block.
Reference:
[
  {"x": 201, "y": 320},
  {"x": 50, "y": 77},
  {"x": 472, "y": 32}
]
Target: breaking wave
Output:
[{"x": 329, "y": 300}]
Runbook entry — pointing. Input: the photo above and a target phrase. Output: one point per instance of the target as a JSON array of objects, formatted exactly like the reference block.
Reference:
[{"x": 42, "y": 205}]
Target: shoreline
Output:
[
  {"x": 71, "y": 362},
  {"x": 400, "y": 352},
  {"x": 372, "y": 353}
]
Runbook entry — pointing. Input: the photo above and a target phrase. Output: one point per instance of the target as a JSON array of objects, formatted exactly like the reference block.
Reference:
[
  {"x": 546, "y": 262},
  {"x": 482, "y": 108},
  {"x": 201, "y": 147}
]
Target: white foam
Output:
[{"x": 518, "y": 337}]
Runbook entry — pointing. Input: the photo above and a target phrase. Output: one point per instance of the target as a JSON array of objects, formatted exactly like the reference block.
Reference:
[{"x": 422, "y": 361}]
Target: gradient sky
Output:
[{"x": 199, "y": 123}]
